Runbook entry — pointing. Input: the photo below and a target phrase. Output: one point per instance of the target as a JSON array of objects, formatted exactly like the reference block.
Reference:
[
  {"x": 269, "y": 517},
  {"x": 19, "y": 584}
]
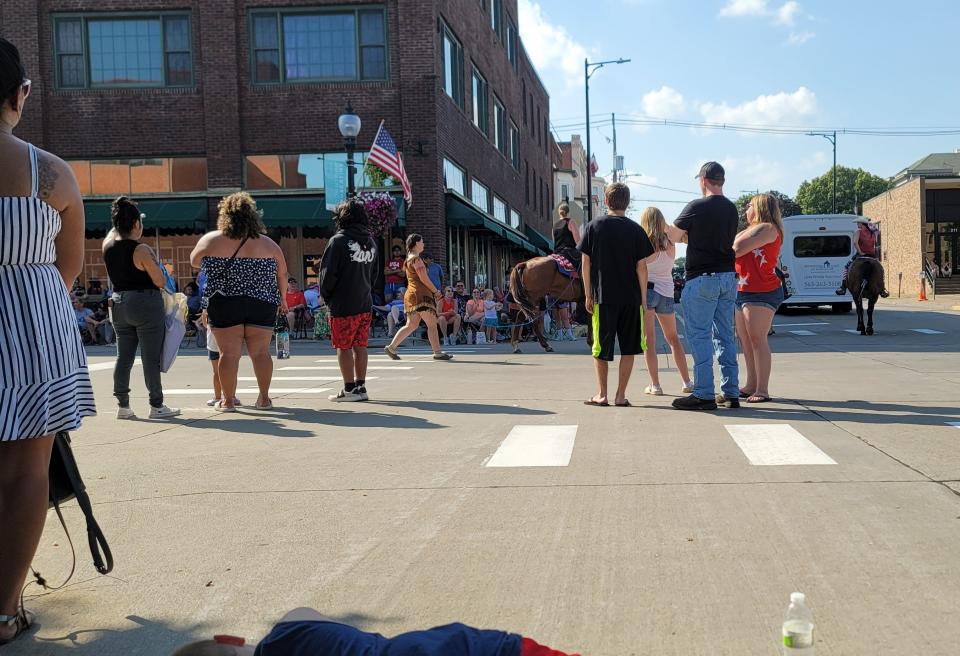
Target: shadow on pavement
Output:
[
  {"x": 461, "y": 407},
  {"x": 147, "y": 637},
  {"x": 271, "y": 422}
]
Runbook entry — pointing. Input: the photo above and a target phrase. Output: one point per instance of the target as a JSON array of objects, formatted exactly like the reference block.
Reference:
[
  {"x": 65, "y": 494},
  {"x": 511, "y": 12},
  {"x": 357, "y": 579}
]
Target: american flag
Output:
[{"x": 384, "y": 154}]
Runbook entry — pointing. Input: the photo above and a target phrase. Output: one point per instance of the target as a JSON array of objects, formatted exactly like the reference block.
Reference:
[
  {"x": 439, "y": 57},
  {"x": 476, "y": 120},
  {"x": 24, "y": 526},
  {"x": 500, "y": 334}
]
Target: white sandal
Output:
[{"x": 653, "y": 390}]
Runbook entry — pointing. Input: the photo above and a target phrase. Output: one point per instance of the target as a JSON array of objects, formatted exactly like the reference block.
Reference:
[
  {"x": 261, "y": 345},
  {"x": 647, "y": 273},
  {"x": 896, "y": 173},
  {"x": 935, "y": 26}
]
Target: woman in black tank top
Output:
[
  {"x": 137, "y": 308},
  {"x": 566, "y": 236}
]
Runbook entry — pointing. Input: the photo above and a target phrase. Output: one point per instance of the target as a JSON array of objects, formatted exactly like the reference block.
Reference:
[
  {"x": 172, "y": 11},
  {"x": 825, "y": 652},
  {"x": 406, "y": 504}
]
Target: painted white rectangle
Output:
[
  {"x": 852, "y": 331},
  {"x": 955, "y": 424},
  {"x": 802, "y": 333},
  {"x": 104, "y": 366},
  {"x": 299, "y": 379},
  {"x": 790, "y": 325},
  {"x": 927, "y": 331},
  {"x": 536, "y": 446},
  {"x": 777, "y": 444},
  {"x": 379, "y": 359},
  {"x": 394, "y": 368},
  {"x": 198, "y": 391}
]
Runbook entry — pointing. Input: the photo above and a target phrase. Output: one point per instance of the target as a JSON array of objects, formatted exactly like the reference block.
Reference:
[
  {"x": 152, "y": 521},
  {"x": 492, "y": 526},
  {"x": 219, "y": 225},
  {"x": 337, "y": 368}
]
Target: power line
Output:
[{"x": 647, "y": 184}]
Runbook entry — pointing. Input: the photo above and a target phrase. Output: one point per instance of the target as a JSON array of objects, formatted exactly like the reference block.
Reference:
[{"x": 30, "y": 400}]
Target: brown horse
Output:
[
  {"x": 865, "y": 281},
  {"x": 530, "y": 283}
]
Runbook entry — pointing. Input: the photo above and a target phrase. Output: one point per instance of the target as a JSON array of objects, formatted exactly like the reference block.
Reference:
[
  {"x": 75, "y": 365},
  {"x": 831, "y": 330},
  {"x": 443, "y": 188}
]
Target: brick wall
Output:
[{"x": 901, "y": 213}]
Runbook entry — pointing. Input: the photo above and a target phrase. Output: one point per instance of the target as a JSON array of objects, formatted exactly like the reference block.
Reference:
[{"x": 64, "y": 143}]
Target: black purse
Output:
[{"x": 66, "y": 484}]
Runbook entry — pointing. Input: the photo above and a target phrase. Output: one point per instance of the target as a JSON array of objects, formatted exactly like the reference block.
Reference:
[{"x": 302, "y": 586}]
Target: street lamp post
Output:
[
  {"x": 832, "y": 138},
  {"x": 349, "y": 124},
  {"x": 588, "y": 70}
]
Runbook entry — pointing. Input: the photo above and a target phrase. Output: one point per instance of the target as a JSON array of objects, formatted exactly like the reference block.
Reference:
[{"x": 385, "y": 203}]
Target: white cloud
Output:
[
  {"x": 799, "y": 38},
  {"x": 550, "y": 46},
  {"x": 787, "y": 14},
  {"x": 745, "y": 8},
  {"x": 665, "y": 102},
  {"x": 782, "y": 108}
]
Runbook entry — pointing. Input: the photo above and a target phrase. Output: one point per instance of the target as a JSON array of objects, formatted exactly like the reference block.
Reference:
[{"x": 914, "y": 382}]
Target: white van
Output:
[{"x": 816, "y": 247}]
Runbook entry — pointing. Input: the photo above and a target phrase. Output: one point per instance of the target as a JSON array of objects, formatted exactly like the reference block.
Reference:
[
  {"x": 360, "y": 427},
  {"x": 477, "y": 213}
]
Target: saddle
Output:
[{"x": 565, "y": 267}]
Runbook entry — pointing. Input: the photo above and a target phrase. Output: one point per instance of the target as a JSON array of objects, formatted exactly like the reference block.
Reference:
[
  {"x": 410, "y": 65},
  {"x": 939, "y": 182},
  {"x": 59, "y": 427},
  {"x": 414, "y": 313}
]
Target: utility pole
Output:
[
  {"x": 613, "y": 118},
  {"x": 832, "y": 138},
  {"x": 588, "y": 70}
]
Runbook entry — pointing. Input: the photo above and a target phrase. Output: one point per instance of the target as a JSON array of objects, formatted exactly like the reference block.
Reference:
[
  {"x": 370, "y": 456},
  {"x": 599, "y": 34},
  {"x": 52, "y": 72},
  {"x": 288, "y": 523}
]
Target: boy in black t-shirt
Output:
[{"x": 615, "y": 283}]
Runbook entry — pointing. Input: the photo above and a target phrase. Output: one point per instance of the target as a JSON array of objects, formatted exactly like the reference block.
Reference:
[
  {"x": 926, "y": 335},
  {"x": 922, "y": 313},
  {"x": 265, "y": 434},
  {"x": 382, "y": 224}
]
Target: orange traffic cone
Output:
[{"x": 923, "y": 289}]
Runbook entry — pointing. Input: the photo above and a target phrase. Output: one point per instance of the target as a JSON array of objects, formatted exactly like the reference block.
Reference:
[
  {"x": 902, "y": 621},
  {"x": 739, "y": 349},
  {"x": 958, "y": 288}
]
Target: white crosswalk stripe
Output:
[
  {"x": 927, "y": 331},
  {"x": 777, "y": 444},
  {"x": 802, "y": 333},
  {"x": 536, "y": 446}
]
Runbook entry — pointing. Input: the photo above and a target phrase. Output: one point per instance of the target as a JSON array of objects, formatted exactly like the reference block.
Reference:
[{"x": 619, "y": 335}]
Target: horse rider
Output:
[
  {"x": 566, "y": 236},
  {"x": 866, "y": 246}
]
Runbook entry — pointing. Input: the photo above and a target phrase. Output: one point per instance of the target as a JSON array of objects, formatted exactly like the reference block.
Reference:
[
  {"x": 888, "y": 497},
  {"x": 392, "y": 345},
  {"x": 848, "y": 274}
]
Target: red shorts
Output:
[
  {"x": 530, "y": 648},
  {"x": 350, "y": 332}
]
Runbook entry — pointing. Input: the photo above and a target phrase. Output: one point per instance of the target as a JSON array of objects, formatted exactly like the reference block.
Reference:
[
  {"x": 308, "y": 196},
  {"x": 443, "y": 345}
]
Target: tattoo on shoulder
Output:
[{"x": 47, "y": 175}]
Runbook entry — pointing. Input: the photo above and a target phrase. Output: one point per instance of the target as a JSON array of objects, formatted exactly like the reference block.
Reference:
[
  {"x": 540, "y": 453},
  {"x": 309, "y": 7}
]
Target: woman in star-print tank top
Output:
[{"x": 759, "y": 291}]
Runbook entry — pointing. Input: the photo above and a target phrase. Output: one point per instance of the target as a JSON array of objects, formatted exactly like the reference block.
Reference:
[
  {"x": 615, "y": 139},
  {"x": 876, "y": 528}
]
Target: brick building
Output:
[
  {"x": 178, "y": 103},
  {"x": 920, "y": 221}
]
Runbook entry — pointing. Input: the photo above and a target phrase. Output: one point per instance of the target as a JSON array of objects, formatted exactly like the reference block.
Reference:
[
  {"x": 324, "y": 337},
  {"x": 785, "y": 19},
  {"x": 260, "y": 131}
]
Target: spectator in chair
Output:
[
  {"x": 85, "y": 321},
  {"x": 450, "y": 320},
  {"x": 434, "y": 271},
  {"x": 473, "y": 316},
  {"x": 394, "y": 313},
  {"x": 296, "y": 302},
  {"x": 394, "y": 276}
]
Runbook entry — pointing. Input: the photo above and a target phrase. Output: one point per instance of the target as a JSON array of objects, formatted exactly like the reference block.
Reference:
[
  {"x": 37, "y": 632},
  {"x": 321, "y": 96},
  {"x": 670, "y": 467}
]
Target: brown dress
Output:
[{"x": 418, "y": 298}]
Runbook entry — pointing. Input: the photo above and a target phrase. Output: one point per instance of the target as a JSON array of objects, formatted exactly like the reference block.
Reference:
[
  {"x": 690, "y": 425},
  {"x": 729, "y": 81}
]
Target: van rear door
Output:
[{"x": 817, "y": 263}]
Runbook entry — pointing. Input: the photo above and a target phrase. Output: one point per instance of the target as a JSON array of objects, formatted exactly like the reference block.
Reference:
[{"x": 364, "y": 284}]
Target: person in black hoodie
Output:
[{"x": 346, "y": 276}]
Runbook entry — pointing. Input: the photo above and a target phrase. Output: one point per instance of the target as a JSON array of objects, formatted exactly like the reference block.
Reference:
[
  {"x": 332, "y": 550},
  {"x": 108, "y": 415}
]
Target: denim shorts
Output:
[
  {"x": 659, "y": 303},
  {"x": 772, "y": 300}
]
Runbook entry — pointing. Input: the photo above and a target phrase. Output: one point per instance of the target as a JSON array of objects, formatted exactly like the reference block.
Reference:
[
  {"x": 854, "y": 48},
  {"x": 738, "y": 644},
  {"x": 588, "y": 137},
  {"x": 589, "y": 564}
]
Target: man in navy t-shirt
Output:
[{"x": 304, "y": 632}]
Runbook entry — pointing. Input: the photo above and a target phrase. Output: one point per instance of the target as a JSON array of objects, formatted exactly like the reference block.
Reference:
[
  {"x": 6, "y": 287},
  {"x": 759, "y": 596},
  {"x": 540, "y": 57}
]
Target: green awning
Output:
[
  {"x": 189, "y": 214},
  {"x": 293, "y": 211},
  {"x": 461, "y": 213},
  {"x": 542, "y": 242}
]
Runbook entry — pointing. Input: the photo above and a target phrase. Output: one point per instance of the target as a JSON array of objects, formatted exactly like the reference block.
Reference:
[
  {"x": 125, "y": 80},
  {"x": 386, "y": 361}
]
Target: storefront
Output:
[
  {"x": 942, "y": 228},
  {"x": 482, "y": 250}
]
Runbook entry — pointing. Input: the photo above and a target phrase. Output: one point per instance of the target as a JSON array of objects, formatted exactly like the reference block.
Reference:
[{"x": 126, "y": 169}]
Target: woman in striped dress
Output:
[{"x": 44, "y": 384}]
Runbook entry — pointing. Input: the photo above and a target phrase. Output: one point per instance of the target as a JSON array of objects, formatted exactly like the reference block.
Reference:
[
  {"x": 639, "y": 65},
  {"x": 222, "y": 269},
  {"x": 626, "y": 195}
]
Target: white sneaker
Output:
[
  {"x": 362, "y": 393},
  {"x": 345, "y": 397},
  {"x": 126, "y": 413},
  {"x": 687, "y": 388},
  {"x": 653, "y": 390},
  {"x": 163, "y": 412}
]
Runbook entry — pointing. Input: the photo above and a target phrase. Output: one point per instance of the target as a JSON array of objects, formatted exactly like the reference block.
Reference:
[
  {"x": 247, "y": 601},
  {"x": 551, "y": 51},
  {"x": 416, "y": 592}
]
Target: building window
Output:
[
  {"x": 123, "y": 51},
  {"x": 512, "y": 44},
  {"x": 546, "y": 134},
  {"x": 496, "y": 16},
  {"x": 452, "y": 66},
  {"x": 515, "y": 145},
  {"x": 499, "y": 210},
  {"x": 514, "y": 219},
  {"x": 499, "y": 126},
  {"x": 321, "y": 46},
  {"x": 565, "y": 192},
  {"x": 454, "y": 177},
  {"x": 481, "y": 106},
  {"x": 307, "y": 171},
  {"x": 523, "y": 101},
  {"x": 480, "y": 196},
  {"x": 526, "y": 167},
  {"x": 161, "y": 175},
  {"x": 539, "y": 126}
]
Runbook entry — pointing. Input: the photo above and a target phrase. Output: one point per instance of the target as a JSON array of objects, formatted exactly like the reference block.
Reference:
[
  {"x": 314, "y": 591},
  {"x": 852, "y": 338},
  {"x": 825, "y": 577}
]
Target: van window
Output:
[{"x": 822, "y": 246}]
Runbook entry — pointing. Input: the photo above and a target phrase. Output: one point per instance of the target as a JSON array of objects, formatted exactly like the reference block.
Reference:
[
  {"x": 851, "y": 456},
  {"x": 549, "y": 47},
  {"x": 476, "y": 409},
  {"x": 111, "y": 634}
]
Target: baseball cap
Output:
[{"x": 712, "y": 171}]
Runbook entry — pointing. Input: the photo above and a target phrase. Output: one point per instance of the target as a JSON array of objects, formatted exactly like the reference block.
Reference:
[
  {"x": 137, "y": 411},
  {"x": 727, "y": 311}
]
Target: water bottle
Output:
[
  {"x": 282, "y": 330},
  {"x": 798, "y": 627}
]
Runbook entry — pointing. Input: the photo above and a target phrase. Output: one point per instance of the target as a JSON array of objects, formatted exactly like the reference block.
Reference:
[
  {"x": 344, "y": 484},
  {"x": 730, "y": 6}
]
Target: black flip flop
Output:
[
  {"x": 626, "y": 404},
  {"x": 597, "y": 404},
  {"x": 761, "y": 399}
]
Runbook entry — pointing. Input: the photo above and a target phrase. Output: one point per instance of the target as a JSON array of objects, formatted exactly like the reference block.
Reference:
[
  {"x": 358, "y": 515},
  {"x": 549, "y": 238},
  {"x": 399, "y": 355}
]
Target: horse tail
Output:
[{"x": 520, "y": 292}]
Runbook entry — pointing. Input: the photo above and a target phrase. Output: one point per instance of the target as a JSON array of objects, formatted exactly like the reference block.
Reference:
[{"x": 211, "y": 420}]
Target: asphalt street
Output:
[{"x": 483, "y": 491}]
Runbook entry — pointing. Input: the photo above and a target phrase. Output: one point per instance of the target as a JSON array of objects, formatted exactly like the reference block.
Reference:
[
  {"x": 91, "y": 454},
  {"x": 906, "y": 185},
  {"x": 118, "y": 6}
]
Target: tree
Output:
[
  {"x": 788, "y": 206},
  {"x": 680, "y": 263},
  {"x": 377, "y": 176},
  {"x": 854, "y": 186}
]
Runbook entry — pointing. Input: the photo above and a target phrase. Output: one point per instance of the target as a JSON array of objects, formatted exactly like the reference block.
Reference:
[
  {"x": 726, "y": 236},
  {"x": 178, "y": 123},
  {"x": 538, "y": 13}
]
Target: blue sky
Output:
[{"x": 816, "y": 63}]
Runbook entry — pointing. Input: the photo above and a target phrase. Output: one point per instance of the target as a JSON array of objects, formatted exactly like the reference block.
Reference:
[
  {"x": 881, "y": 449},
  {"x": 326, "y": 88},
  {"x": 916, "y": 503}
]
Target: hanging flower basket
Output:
[{"x": 381, "y": 210}]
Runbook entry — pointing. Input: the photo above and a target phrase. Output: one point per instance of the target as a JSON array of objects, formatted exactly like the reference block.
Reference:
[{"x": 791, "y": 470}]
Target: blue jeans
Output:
[{"x": 708, "y": 308}]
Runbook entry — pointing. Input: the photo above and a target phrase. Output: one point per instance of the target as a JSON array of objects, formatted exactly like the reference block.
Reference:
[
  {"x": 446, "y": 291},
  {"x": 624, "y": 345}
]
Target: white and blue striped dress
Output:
[{"x": 44, "y": 382}]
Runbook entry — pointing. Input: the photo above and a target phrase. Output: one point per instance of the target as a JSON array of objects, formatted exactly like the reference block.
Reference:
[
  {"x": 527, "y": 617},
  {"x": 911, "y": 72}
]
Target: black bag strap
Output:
[{"x": 234, "y": 256}]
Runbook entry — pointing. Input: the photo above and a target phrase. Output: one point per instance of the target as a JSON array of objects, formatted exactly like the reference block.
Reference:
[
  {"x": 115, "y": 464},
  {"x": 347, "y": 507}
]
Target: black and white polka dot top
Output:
[{"x": 254, "y": 277}]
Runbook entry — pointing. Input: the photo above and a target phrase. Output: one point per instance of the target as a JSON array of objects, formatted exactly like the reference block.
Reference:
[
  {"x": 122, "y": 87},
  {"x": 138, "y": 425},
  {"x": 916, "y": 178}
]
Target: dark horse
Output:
[
  {"x": 865, "y": 281},
  {"x": 530, "y": 283}
]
